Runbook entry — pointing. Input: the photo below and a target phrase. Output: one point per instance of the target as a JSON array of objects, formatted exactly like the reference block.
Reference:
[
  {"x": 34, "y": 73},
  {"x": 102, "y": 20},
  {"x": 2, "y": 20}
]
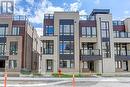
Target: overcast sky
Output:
[{"x": 35, "y": 9}]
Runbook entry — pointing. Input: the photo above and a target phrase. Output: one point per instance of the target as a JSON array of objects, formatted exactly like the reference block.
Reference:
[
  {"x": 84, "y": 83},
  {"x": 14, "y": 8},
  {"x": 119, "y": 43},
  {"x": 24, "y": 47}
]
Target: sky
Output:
[{"x": 35, "y": 9}]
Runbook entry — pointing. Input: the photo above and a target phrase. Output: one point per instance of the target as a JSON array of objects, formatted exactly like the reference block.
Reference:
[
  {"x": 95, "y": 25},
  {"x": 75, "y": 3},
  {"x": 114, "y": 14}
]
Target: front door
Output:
[
  {"x": 125, "y": 66},
  {"x": 2, "y": 65},
  {"x": 91, "y": 65},
  {"x": 49, "y": 65}
]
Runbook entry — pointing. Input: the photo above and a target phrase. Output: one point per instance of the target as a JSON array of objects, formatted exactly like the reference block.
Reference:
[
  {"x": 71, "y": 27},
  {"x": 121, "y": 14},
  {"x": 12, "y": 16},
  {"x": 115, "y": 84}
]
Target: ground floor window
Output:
[
  {"x": 12, "y": 64},
  {"x": 66, "y": 63},
  {"x": 119, "y": 64}
]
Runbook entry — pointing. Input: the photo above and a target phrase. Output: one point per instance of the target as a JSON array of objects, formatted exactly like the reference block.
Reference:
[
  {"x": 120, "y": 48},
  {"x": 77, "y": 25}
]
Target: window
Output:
[
  {"x": 89, "y": 31},
  {"x": 105, "y": 43},
  {"x": 66, "y": 29},
  {"x": 7, "y": 7},
  {"x": 3, "y": 29},
  {"x": 120, "y": 49},
  {"x": 15, "y": 31},
  {"x": 13, "y": 48},
  {"x": 105, "y": 29},
  {"x": 66, "y": 47},
  {"x": 83, "y": 31},
  {"x": 118, "y": 64},
  {"x": 66, "y": 63},
  {"x": 2, "y": 48},
  {"x": 12, "y": 64},
  {"x": 49, "y": 30},
  {"x": 48, "y": 47}
]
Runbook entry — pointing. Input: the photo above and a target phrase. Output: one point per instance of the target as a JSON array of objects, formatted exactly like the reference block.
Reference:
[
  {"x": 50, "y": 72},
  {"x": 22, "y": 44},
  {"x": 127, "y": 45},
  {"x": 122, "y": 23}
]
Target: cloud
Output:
[
  {"x": 82, "y": 12},
  {"x": 126, "y": 12},
  {"x": 97, "y": 2},
  {"x": 75, "y": 6},
  {"x": 31, "y": 2}
]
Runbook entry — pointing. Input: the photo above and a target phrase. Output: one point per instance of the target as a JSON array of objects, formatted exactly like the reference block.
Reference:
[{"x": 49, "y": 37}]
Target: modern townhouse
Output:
[
  {"x": 85, "y": 43},
  {"x": 19, "y": 41}
]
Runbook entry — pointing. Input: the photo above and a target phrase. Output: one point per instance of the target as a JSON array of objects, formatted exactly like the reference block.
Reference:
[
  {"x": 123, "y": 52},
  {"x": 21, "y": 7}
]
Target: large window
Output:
[
  {"x": 48, "y": 47},
  {"x": 15, "y": 31},
  {"x": 7, "y": 7},
  {"x": 2, "y": 48},
  {"x": 12, "y": 64},
  {"x": 66, "y": 63},
  {"x": 3, "y": 29},
  {"x": 105, "y": 29},
  {"x": 89, "y": 32},
  {"x": 49, "y": 31},
  {"x": 105, "y": 39},
  {"x": 13, "y": 48},
  {"x": 66, "y": 29},
  {"x": 66, "y": 47},
  {"x": 120, "y": 49}
]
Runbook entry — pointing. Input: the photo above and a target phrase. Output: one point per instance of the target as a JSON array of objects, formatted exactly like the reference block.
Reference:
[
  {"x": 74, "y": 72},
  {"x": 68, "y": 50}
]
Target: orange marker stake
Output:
[
  {"x": 5, "y": 79},
  {"x": 73, "y": 81}
]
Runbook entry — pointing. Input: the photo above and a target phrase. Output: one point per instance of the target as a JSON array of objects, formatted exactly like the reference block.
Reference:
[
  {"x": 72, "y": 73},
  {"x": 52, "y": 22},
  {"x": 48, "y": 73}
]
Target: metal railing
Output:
[
  {"x": 48, "y": 16},
  {"x": 87, "y": 17},
  {"x": 20, "y": 18},
  {"x": 90, "y": 52},
  {"x": 122, "y": 52},
  {"x": 118, "y": 23},
  {"x": 121, "y": 34}
]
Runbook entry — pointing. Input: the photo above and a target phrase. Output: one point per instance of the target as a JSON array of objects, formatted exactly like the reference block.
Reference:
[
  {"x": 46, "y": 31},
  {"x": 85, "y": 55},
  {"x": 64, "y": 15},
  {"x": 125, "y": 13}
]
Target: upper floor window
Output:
[
  {"x": 3, "y": 29},
  {"x": 49, "y": 30},
  {"x": 6, "y": 7},
  {"x": 48, "y": 47},
  {"x": 89, "y": 32},
  {"x": 66, "y": 29},
  {"x": 15, "y": 31},
  {"x": 66, "y": 47},
  {"x": 2, "y": 48},
  {"x": 13, "y": 48},
  {"x": 105, "y": 29}
]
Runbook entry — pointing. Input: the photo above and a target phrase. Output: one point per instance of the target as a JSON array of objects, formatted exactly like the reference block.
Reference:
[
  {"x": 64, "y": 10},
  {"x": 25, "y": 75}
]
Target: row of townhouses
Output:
[
  {"x": 71, "y": 42},
  {"x": 85, "y": 43}
]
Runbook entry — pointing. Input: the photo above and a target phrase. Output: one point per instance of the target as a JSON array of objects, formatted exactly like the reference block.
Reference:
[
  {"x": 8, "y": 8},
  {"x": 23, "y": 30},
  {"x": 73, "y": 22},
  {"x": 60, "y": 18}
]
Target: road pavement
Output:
[{"x": 67, "y": 82}]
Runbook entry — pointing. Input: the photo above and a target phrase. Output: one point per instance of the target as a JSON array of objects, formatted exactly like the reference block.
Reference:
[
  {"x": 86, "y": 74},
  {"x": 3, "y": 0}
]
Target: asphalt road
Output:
[{"x": 67, "y": 82}]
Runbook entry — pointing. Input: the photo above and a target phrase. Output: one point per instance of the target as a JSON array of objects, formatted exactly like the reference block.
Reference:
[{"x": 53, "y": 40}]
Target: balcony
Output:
[
  {"x": 20, "y": 18},
  {"x": 123, "y": 37},
  {"x": 122, "y": 55},
  {"x": 87, "y": 17},
  {"x": 48, "y": 16},
  {"x": 90, "y": 54},
  {"x": 3, "y": 56}
]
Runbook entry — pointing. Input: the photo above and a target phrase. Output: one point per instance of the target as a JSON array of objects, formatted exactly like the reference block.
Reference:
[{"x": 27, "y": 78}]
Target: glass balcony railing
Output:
[
  {"x": 87, "y": 17},
  {"x": 121, "y": 34},
  {"x": 19, "y": 17},
  {"x": 122, "y": 52},
  {"x": 48, "y": 16},
  {"x": 115, "y": 23},
  {"x": 90, "y": 52}
]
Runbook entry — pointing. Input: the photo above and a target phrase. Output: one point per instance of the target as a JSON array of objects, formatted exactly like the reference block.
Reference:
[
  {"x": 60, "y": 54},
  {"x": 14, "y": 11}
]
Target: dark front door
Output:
[
  {"x": 2, "y": 63},
  {"x": 49, "y": 65},
  {"x": 91, "y": 65}
]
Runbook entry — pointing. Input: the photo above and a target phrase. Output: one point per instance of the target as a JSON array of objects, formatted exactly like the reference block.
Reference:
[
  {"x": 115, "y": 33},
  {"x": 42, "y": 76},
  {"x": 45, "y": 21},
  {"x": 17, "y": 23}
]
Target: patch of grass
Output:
[
  {"x": 66, "y": 75},
  {"x": 25, "y": 72},
  {"x": 37, "y": 74}
]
